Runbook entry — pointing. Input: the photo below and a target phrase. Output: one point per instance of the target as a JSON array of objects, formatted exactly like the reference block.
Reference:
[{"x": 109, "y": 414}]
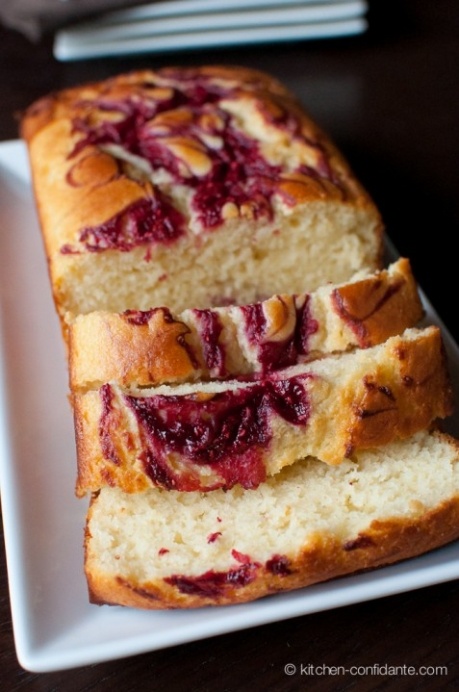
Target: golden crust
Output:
[
  {"x": 106, "y": 347},
  {"x": 322, "y": 559},
  {"x": 48, "y": 127},
  {"x": 156, "y": 347},
  {"x": 382, "y": 305},
  {"x": 75, "y": 190},
  {"x": 422, "y": 378},
  {"x": 356, "y": 401}
]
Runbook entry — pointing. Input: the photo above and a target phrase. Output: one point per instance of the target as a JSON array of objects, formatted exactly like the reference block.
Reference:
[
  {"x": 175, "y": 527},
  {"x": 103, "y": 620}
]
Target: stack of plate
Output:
[{"x": 195, "y": 24}]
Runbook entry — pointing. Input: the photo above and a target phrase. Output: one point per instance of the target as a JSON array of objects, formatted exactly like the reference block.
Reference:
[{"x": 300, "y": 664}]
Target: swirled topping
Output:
[
  {"x": 188, "y": 129},
  {"x": 149, "y": 220},
  {"x": 278, "y": 330}
]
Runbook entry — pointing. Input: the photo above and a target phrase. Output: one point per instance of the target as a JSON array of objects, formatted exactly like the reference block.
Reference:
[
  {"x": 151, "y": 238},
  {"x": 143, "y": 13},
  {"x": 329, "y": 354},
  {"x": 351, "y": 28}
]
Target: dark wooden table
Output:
[{"x": 390, "y": 99}]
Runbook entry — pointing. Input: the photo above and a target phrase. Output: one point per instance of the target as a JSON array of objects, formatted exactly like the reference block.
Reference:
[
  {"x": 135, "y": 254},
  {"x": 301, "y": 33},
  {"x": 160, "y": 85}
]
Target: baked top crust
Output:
[
  {"x": 221, "y": 434},
  {"x": 154, "y": 347},
  {"x": 192, "y": 147}
]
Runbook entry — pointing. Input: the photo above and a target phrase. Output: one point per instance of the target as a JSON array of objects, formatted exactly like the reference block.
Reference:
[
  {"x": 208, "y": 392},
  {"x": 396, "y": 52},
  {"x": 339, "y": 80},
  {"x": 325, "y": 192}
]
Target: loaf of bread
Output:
[
  {"x": 256, "y": 404},
  {"x": 310, "y": 523},
  {"x": 203, "y": 436},
  {"x": 144, "y": 348},
  {"x": 191, "y": 187}
]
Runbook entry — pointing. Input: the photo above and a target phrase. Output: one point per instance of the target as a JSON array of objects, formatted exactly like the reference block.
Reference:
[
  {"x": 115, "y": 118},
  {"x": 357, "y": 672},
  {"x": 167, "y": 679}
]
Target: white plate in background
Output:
[
  {"x": 196, "y": 24},
  {"x": 55, "y": 627}
]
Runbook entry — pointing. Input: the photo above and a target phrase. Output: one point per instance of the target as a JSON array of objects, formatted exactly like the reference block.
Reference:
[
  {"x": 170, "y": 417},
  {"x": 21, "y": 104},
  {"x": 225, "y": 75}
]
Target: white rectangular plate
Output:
[{"x": 55, "y": 627}]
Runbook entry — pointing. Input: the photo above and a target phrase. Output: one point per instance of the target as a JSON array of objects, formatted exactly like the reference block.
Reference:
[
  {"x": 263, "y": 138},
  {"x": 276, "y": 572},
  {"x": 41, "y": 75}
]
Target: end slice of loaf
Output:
[
  {"x": 155, "y": 347},
  {"x": 308, "y": 524},
  {"x": 191, "y": 187},
  {"x": 203, "y": 436}
]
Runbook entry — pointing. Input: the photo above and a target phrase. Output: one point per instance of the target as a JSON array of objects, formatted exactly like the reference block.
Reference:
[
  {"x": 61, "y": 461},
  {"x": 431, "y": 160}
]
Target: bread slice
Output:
[
  {"x": 203, "y": 436},
  {"x": 191, "y": 187},
  {"x": 156, "y": 347},
  {"x": 310, "y": 523}
]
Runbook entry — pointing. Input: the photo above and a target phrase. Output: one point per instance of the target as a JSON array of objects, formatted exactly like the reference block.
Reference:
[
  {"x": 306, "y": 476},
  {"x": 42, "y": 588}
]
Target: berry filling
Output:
[
  {"x": 196, "y": 442},
  {"x": 279, "y": 564},
  {"x": 212, "y": 584},
  {"x": 230, "y": 177},
  {"x": 150, "y": 220},
  {"x": 276, "y": 354},
  {"x": 210, "y": 328}
]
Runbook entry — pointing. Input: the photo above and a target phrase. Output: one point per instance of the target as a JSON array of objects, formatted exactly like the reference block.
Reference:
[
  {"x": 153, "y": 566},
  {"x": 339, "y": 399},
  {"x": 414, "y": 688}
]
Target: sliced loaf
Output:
[
  {"x": 204, "y": 436},
  {"x": 155, "y": 346}
]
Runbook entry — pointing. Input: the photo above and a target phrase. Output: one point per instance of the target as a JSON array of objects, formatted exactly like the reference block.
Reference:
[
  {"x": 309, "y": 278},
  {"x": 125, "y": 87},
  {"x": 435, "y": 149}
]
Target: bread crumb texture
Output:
[{"x": 147, "y": 537}]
